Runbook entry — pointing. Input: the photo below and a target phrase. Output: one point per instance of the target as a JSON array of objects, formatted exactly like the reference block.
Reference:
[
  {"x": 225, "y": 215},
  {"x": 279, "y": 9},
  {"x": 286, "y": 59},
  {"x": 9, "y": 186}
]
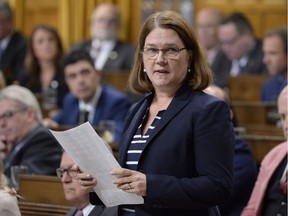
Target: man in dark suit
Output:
[
  {"x": 107, "y": 51},
  {"x": 88, "y": 100},
  {"x": 275, "y": 59},
  {"x": 78, "y": 197},
  {"x": 23, "y": 140},
  {"x": 241, "y": 52},
  {"x": 12, "y": 45}
]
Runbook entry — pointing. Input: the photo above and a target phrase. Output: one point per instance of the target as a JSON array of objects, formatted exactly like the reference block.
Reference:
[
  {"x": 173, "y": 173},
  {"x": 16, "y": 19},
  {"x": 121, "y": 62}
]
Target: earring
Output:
[
  {"x": 144, "y": 70},
  {"x": 189, "y": 70}
]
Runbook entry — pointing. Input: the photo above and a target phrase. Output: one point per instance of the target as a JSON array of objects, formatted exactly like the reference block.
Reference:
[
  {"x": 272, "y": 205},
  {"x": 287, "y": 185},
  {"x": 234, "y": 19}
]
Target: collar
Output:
[
  {"x": 86, "y": 211},
  {"x": 105, "y": 44}
]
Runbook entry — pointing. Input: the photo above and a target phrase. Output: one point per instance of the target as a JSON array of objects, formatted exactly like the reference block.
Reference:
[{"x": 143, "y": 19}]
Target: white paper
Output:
[{"x": 91, "y": 154}]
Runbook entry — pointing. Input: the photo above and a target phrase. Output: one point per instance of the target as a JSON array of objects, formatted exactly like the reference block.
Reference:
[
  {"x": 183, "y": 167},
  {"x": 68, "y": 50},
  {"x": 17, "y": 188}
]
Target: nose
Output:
[
  {"x": 66, "y": 178},
  {"x": 160, "y": 57}
]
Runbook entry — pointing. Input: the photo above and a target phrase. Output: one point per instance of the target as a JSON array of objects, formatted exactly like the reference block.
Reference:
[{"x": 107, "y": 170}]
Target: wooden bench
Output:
[
  {"x": 254, "y": 112},
  {"x": 42, "y": 209},
  {"x": 246, "y": 87},
  {"x": 260, "y": 145},
  {"x": 42, "y": 189},
  {"x": 117, "y": 79}
]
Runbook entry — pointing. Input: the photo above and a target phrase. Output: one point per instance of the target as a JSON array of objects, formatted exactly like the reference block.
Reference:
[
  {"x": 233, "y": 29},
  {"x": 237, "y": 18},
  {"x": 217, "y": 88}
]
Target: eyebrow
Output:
[{"x": 164, "y": 45}]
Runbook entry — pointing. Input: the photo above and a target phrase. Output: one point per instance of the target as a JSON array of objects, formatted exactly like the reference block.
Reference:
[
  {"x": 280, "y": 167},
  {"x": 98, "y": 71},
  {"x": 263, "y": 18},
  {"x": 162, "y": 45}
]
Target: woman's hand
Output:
[
  {"x": 130, "y": 181},
  {"x": 87, "y": 182}
]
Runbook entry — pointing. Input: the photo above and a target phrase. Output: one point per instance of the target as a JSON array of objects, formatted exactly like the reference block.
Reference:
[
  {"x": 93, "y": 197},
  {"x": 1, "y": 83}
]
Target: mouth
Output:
[{"x": 161, "y": 71}]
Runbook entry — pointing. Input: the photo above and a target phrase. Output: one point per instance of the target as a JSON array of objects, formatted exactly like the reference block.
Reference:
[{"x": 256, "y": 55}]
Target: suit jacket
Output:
[
  {"x": 11, "y": 62},
  {"x": 187, "y": 159},
  {"x": 222, "y": 65},
  {"x": 268, "y": 166},
  {"x": 245, "y": 174},
  {"x": 97, "y": 211},
  {"x": 39, "y": 151},
  {"x": 120, "y": 58},
  {"x": 112, "y": 105},
  {"x": 272, "y": 87}
]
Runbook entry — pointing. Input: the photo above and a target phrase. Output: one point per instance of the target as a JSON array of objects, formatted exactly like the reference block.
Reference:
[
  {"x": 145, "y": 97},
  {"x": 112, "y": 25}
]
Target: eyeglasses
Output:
[
  {"x": 8, "y": 115},
  {"x": 170, "y": 52},
  {"x": 231, "y": 41},
  {"x": 70, "y": 172}
]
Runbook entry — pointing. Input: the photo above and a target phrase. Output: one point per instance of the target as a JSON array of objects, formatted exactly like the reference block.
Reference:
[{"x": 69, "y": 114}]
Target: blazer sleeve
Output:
[{"x": 207, "y": 179}]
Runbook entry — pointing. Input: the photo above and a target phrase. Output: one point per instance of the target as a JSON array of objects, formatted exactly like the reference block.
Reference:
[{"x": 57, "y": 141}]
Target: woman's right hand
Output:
[{"x": 87, "y": 182}]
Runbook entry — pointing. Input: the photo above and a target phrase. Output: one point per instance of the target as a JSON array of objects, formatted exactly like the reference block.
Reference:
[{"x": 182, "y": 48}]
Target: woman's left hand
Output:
[{"x": 130, "y": 181}]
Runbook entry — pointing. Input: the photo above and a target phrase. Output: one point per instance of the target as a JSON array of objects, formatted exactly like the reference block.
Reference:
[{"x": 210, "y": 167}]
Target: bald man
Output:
[
  {"x": 269, "y": 196},
  {"x": 207, "y": 22}
]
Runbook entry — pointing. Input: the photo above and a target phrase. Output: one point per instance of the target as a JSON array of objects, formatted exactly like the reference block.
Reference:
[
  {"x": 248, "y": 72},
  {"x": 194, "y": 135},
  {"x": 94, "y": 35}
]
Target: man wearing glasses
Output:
[
  {"x": 75, "y": 194},
  {"x": 24, "y": 141},
  {"x": 241, "y": 52}
]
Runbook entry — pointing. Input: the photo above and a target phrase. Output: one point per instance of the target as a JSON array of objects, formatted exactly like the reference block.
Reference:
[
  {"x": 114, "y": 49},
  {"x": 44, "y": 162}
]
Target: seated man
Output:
[
  {"x": 108, "y": 52},
  {"x": 75, "y": 194},
  {"x": 245, "y": 169},
  {"x": 23, "y": 140},
  {"x": 241, "y": 50},
  {"x": 88, "y": 100},
  {"x": 269, "y": 196},
  {"x": 275, "y": 59}
]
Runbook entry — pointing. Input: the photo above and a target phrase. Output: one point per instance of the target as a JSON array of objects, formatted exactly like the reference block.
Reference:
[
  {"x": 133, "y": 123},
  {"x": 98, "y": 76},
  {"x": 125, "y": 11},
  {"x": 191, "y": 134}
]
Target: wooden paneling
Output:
[
  {"x": 263, "y": 14},
  {"x": 71, "y": 17},
  {"x": 42, "y": 189}
]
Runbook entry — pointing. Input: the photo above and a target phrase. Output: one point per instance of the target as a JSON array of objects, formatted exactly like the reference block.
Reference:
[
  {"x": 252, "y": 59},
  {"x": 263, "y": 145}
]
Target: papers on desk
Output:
[{"x": 91, "y": 154}]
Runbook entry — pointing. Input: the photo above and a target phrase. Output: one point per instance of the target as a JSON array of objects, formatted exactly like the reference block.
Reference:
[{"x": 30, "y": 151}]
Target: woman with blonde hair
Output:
[{"x": 8, "y": 198}]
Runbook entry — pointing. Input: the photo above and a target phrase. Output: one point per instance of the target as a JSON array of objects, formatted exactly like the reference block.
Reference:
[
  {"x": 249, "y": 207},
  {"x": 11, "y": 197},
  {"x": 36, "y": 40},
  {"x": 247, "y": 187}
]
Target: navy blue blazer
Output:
[
  {"x": 112, "y": 105},
  {"x": 188, "y": 158},
  {"x": 272, "y": 88},
  {"x": 245, "y": 175}
]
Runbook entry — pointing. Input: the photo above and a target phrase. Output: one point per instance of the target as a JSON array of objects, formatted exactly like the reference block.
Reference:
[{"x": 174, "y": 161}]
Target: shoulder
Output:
[{"x": 110, "y": 91}]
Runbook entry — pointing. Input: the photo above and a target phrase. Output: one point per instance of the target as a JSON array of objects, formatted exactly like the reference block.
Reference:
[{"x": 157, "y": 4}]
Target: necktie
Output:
[
  {"x": 79, "y": 213},
  {"x": 84, "y": 116}
]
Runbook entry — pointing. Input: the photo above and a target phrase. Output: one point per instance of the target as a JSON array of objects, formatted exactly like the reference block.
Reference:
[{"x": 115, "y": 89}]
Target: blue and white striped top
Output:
[
  {"x": 138, "y": 142},
  {"x": 135, "y": 149}
]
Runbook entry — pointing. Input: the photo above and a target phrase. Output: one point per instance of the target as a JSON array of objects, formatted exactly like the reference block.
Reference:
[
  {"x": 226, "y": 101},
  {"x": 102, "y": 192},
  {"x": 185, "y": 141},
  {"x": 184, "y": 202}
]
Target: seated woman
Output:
[{"x": 43, "y": 74}]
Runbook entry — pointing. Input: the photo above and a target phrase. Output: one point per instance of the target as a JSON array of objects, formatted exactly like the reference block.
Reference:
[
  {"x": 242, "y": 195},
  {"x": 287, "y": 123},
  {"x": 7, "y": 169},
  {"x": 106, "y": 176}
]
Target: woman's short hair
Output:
[
  {"x": 23, "y": 96},
  {"x": 200, "y": 76}
]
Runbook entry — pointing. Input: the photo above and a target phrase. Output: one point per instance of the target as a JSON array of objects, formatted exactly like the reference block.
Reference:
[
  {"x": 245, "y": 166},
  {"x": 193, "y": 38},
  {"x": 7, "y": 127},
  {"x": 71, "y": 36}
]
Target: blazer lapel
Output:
[
  {"x": 135, "y": 117},
  {"x": 177, "y": 104}
]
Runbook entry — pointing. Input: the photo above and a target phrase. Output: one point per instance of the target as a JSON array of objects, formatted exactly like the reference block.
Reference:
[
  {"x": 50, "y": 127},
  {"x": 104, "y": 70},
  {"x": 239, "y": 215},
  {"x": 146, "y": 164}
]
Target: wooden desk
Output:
[
  {"x": 42, "y": 209},
  {"x": 42, "y": 189},
  {"x": 118, "y": 79},
  {"x": 246, "y": 87},
  {"x": 253, "y": 113},
  {"x": 260, "y": 145}
]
